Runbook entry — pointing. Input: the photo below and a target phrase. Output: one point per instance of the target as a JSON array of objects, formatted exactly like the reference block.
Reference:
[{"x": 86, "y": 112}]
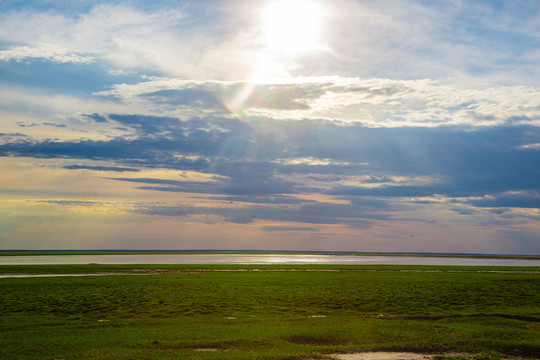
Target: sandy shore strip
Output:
[{"x": 382, "y": 355}]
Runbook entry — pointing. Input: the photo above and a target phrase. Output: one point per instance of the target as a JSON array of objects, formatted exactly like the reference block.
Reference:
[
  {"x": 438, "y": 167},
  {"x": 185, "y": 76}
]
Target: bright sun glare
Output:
[{"x": 292, "y": 27}]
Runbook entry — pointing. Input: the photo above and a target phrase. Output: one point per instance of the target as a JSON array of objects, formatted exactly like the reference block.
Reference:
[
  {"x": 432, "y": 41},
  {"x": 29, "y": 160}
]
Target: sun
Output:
[{"x": 292, "y": 27}]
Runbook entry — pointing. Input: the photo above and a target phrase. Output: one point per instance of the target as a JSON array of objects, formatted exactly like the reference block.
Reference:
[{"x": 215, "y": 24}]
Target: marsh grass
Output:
[{"x": 238, "y": 314}]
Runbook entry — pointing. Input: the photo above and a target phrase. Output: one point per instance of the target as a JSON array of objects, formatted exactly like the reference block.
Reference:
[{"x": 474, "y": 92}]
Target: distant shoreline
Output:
[{"x": 187, "y": 252}]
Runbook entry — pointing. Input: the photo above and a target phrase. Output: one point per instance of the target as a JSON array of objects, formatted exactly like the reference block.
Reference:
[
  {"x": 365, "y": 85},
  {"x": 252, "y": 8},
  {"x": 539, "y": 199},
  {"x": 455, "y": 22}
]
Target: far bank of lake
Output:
[{"x": 261, "y": 259}]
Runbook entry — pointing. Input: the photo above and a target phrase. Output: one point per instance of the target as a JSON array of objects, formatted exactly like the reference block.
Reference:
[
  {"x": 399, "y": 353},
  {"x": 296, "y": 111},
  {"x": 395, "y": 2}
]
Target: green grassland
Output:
[{"x": 268, "y": 312}]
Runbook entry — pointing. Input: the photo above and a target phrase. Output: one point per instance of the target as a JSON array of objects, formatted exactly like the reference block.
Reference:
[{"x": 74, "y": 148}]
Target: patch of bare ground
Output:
[
  {"x": 383, "y": 355},
  {"x": 455, "y": 316},
  {"x": 217, "y": 346},
  {"x": 390, "y": 355},
  {"x": 313, "y": 340}
]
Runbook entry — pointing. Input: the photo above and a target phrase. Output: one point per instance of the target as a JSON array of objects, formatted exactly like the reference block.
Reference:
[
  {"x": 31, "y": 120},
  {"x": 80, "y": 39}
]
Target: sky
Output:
[{"x": 373, "y": 126}]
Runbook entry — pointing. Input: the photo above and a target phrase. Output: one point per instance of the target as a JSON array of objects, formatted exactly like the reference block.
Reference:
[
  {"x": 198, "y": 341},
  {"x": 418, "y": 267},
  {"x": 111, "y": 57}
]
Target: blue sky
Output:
[{"x": 305, "y": 125}]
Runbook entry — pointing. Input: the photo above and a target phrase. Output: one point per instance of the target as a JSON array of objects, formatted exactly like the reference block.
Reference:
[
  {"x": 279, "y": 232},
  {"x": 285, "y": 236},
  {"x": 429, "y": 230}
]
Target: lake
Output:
[{"x": 260, "y": 259}]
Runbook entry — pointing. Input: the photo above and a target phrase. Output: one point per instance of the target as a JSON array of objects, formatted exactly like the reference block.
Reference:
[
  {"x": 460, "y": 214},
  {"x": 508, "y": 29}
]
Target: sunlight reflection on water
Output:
[{"x": 260, "y": 259}]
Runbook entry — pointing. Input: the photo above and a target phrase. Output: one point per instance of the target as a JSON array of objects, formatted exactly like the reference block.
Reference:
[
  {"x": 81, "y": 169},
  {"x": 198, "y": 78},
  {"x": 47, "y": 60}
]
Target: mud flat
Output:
[{"x": 383, "y": 355}]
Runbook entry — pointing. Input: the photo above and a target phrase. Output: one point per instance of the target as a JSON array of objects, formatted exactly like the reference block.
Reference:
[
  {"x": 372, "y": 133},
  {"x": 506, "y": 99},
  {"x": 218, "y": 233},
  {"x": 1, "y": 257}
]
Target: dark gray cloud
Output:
[
  {"x": 96, "y": 117},
  {"x": 54, "y": 125},
  {"x": 370, "y": 202},
  {"x": 21, "y": 124},
  {"x": 174, "y": 185},
  {"x": 377, "y": 179},
  {"x": 149, "y": 125},
  {"x": 529, "y": 199},
  {"x": 462, "y": 210},
  {"x": 13, "y": 134},
  {"x": 194, "y": 97},
  {"x": 318, "y": 213},
  {"x": 282, "y": 228},
  {"x": 262, "y": 199},
  {"x": 254, "y": 157},
  {"x": 218, "y": 97},
  {"x": 70, "y": 202},
  {"x": 236, "y": 186},
  {"x": 155, "y": 181}
]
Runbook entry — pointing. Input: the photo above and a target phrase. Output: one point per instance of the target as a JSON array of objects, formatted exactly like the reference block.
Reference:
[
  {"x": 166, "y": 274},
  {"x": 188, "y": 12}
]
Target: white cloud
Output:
[
  {"x": 48, "y": 52},
  {"x": 408, "y": 40},
  {"x": 163, "y": 41},
  {"x": 374, "y": 102},
  {"x": 535, "y": 146},
  {"x": 443, "y": 40}
]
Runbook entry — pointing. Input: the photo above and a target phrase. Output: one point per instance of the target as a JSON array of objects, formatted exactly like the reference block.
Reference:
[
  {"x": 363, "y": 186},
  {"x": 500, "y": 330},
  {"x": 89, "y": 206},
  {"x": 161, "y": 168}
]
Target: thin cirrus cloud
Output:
[{"x": 390, "y": 135}]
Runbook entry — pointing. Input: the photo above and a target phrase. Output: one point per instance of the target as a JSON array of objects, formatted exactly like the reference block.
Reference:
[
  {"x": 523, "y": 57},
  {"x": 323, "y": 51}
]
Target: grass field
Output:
[{"x": 268, "y": 312}]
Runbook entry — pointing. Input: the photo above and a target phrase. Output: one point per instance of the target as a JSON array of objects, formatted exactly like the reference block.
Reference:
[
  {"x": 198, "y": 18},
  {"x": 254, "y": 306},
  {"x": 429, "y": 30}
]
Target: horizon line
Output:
[{"x": 263, "y": 251}]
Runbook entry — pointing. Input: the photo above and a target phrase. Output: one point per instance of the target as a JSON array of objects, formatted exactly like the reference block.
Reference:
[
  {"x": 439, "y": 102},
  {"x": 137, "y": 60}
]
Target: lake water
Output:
[{"x": 259, "y": 259}]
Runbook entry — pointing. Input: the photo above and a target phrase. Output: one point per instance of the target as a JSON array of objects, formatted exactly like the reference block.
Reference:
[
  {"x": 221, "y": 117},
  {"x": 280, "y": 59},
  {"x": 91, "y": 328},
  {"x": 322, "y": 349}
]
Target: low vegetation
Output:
[{"x": 268, "y": 312}]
